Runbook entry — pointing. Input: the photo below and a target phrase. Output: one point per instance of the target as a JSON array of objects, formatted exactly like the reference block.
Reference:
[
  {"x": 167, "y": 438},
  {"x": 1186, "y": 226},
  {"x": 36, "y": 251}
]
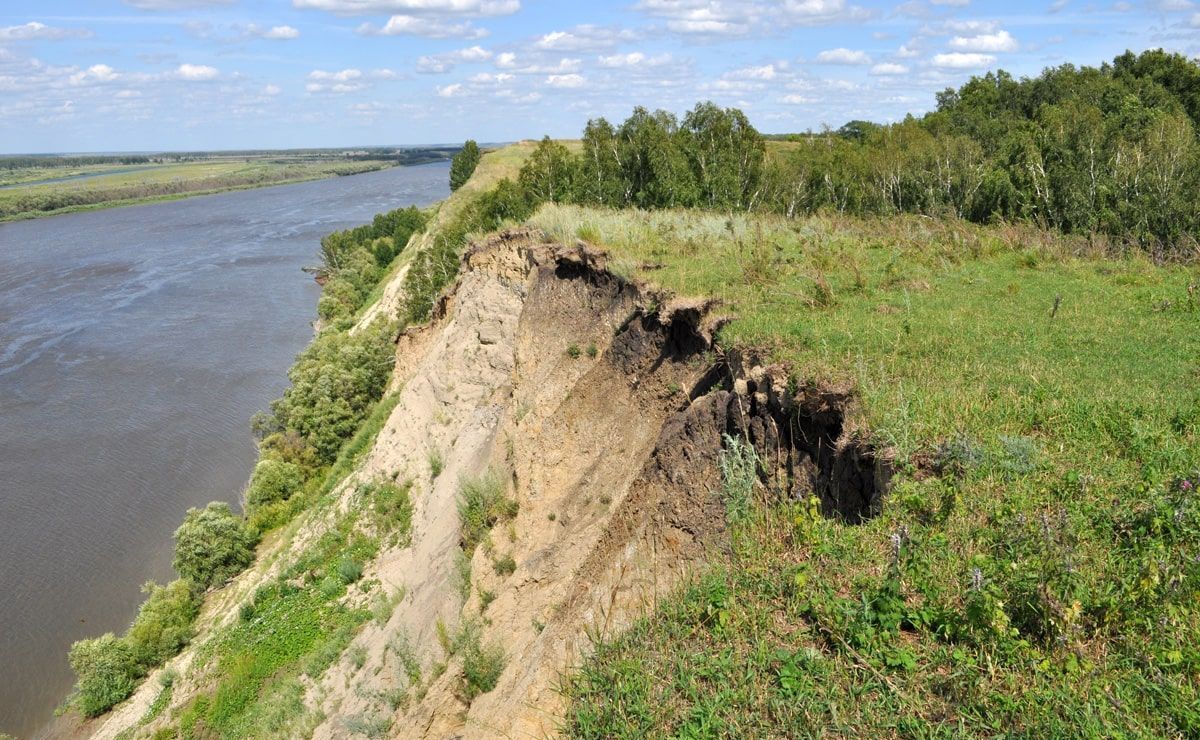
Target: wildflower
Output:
[{"x": 1185, "y": 485}]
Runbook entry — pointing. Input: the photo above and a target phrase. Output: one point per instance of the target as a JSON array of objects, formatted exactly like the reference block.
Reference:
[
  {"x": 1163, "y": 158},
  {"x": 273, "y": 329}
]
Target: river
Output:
[{"x": 135, "y": 344}]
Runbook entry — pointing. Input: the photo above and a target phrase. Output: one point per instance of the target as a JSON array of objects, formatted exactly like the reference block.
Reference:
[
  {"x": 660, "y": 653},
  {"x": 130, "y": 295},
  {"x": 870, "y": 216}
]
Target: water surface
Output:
[{"x": 135, "y": 343}]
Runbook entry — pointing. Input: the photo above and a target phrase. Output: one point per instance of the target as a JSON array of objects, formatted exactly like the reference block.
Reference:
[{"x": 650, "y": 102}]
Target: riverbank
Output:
[
  {"x": 126, "y": 401},
  {"x": 100, "y": 187}
]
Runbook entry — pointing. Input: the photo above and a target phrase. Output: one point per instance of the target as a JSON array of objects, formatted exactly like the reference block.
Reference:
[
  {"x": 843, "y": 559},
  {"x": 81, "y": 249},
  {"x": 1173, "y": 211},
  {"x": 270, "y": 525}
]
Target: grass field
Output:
[{"x": 1035, "y": 569}]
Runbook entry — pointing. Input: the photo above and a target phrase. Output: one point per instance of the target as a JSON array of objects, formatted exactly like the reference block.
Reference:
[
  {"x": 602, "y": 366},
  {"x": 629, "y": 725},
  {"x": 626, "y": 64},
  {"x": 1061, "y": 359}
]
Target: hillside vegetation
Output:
[{"x": 1024, "y": 381}]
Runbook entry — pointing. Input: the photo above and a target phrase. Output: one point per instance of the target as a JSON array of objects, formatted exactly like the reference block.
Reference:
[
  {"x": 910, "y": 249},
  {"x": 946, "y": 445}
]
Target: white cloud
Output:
[
  {"x": 506, "y": 60},
  {"x": 959, "y": 60},
  {"x": 906, "y": 51},
  {"x": 954, "y": 3},
  {"x": 344, "y": 75},
  {"x": 489, "y": 78},
  {"x": 413, "y": 7},
  {"x": 993, "y": 42},
  {"x": 128, "y": 94},
  {"x": 843, "y": 56},
  {"x": 196, "y": 72},
  {"x": 586, "y": 37},
  {"x": 384, "y": 74},
  {"x": 95, "y": 73},
  {"x": 765, "y": 72},
  {"x": 272, "y": 90},
  {"x": 565, "y": 81},
  {"x": 175, "y": 4},
  {"x": 281, "y": 33},
  {"x": 889, "y": 68},
  {"x": 40, "y": 31},
  {"x": 450, "y": 91},
  {"x": 724, "y": 18},
  {"x": 796, "y": 99},
  {"x": 430, "y": 28},
  {"x": 634, "y": 59},
  {"x": 442, "y": 63}
]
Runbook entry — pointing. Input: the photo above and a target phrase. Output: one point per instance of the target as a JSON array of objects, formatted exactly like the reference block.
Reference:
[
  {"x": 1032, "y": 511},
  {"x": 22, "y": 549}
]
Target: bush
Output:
[
  {"x": 164, "y": 622},
  {"x": 212, "y": 545},
  {"x": 273, "y": 481},
  {"x": 481, "y": 503},
  {"x": 105, "y": 673}
]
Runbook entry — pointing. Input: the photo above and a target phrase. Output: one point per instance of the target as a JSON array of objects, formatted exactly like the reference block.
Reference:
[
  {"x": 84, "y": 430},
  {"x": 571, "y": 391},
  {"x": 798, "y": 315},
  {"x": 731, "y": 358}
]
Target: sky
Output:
[{"x": 160, "y": 75}]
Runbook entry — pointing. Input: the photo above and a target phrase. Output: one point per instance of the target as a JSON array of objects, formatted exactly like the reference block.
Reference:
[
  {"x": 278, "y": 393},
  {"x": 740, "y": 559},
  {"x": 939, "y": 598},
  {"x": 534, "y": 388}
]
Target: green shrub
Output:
[
  {"x": 482, "y": 503},
  {"x": 212, "y": 545},
  {"x": 164, "y": 622},
  {"x": 482, "y": 665},
  {"x": 506, "y": 566},
  {"x": 349, "y": 570},
  {"x": 391, "y": 509},
  {"x": 272, "y": 481},
  {"x": 105, "y": 673}
]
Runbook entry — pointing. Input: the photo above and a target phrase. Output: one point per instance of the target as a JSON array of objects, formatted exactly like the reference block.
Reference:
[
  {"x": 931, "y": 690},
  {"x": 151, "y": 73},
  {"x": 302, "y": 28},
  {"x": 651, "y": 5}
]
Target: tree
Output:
[
  {"x": 548, "y": 174},
  {"x": 273, "y": 480},
  {"x": 164, "y": 622},
  {"x": 599, "y": 178},
  {"x": 212, "y": 545},
  {"x": 463, "y": 165},
  {"x": 725, "y": 153},
  {"x": 105, "y": 673}
]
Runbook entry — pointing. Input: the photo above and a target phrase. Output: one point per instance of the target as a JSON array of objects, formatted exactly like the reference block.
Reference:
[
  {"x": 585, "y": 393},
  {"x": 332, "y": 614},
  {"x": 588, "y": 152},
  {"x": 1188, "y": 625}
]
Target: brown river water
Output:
[{"x": 135, "y": 344}]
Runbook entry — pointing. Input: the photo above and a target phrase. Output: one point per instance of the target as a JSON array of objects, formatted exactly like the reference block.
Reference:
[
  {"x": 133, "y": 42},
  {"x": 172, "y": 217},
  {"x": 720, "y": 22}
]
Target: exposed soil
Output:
[{"x": 605, "y": 406}]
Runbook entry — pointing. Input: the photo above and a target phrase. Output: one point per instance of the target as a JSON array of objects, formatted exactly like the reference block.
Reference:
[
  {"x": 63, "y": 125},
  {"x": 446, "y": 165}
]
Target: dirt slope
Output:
[{"x": 603, "y": 406}]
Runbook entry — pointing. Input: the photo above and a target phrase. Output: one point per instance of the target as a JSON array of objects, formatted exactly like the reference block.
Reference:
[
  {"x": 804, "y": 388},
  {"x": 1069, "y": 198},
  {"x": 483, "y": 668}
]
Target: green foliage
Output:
[
  {"x": 505, "y": 566},
  {"x": 212, "y": 545},
  {"x": 738, "y": 462},
  {"x": 164, "y": 622},
  {"x": 272, "y": 481},
  {"x": 481, "y": 504},
  {"x": 463, "y": 165},
  {"x": 482, "y": 665},
  {"x": 437, "y": 462},
  {"x": 334, "y": 383},
  {"x": 391, "y": 510},
  {"x": 105, "y": 671},
  {"x": 354, "y": 261}
]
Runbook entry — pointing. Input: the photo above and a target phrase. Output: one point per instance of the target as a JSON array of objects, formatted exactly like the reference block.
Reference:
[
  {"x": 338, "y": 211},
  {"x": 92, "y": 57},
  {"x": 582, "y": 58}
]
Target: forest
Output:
[{"x": 1109, "y": 151}]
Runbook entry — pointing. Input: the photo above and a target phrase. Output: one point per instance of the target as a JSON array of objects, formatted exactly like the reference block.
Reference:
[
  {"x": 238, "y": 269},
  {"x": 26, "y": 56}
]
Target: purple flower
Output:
[{"x": 1185, "y": 485}]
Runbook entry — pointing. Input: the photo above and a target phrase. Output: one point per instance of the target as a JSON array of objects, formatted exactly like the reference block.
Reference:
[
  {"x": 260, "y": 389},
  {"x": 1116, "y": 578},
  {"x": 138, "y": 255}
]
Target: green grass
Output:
[{"x": 1045, "y": 582}]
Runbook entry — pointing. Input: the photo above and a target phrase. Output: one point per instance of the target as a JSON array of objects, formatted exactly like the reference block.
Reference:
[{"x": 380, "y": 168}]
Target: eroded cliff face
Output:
[{"x": 604, "y": 407}]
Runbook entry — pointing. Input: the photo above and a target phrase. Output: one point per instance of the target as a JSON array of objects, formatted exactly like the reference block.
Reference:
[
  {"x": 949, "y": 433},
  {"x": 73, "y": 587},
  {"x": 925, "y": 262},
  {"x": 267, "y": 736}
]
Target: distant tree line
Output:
[{"x": 1110, "y": 150}]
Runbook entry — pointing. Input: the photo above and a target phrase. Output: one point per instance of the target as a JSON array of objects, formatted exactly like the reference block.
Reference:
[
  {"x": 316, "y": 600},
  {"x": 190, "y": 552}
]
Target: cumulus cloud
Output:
[
  {"x": 413, "y": 7},
  {"x": 40, "y": 31},
  {"x": 843, "y": 56},
  {"x": 993, "y": 42},
  {"x": 565, "y": 81},
  {"x": 176, "y": 4},
  {"x": 885, "y": 69},
  {"x": 586, "y": 37},
  {"x": 342, "y": 81},
  {"x": 634, "y": 59},
  {"x": 282, "y": 33},
  {"x": 451, "y": 91},
  {"x": 795, "y": 99},
  {"x": 442, "y": 63},
  {"x": 741, "y": 17},
  {"x": 960, "y": 60},
  {"x": 430, "y": 28},
  {"x": 95, "y": 73},
  {"x": 196, "y": 72}
]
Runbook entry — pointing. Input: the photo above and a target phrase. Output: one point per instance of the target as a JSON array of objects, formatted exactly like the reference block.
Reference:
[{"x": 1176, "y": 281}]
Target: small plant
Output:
[
  {"x": 552, "y": 516},
  {"x": 462, "y": 574},
  {"x": 382, "y": 606},
  {"x": 437, "y": 462},
  {"x": 486, "y": 598},
  {"x": 739, "y": 473},
  {"x": 403, "y": 649},
  {"x": 482, "y": 665},
  {"x": 957, "y": 456},
  {"x": 505, "y": 566},
  {"x": 481, "y": 504},
  {"x": 349, "y": 570},
  {"x": 358, "y": 656},
  {"x": 1018, "y": 456},
  {"x": 592, "y": 350},
  {"x": 574, "y": 352},
  {"x": 371, "y": 725}
]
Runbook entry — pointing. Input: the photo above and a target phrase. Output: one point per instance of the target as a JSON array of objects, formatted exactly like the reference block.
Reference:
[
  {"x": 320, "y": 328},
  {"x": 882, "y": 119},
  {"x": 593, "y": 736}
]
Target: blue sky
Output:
[{"x": 108, "y": 75}]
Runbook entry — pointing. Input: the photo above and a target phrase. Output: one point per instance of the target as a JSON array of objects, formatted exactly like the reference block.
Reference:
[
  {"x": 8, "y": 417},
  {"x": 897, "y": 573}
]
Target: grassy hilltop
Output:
[{"x": 1032, "y": 376}]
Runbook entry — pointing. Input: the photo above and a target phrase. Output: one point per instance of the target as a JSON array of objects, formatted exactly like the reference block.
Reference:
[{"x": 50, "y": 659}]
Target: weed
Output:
[
  {"x": 481, "y": 504},
  {"x": 437, "y": 462},
  {"x": 505, "y": 566},
  {"x": 574, "y": 352},
  {"x": 738, "y": 462}
]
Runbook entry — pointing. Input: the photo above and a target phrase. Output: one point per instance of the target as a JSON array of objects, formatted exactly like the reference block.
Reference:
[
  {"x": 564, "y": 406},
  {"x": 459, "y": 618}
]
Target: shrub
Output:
[
  {"x": 272, "y": 481},
  {"x": 105, "y": 673},
  {"x": 739, "y": 472},
  {"x": 349, "y": 570},
  {"x": 212, "y": 545},
  {"x": 391, "y": 509},
  {"x": 164, "y": 622},
  {"x": 482, "y": 503},
  {"x": 482, "y": 665},
  {"x": 506, "y": 566}
]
